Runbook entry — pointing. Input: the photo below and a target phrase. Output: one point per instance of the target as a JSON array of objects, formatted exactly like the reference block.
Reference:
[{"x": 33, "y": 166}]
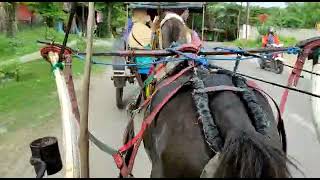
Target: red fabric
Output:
[
  {"x": 265, "y": 40},
  {"x": 51, "y": 48},
  {"x": 23, "y": 13},
  {"x": 195, "y": 39},
  {"x": 189, "y": 48}
]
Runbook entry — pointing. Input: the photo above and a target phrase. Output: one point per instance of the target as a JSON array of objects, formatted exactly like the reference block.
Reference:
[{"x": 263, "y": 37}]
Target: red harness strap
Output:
[
  {"x": 136, "y": 141},
  {"x": 293, "y": 78},
  {"x": 53, "y": 48}
]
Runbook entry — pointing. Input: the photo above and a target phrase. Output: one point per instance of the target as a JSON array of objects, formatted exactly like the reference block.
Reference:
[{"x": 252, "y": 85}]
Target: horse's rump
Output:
[
  {"x": 214, "y": 80},
  {"x": 209, "y": 80}
]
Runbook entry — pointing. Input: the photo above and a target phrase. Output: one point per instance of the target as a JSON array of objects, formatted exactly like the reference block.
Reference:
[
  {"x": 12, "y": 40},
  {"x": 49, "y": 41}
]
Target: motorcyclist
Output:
[{"x": 270, "y": 38}]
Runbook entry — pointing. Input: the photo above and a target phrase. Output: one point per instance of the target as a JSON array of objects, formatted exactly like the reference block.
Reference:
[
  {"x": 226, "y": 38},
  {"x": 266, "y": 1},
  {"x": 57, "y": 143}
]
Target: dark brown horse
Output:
[{"x": 176, "y": 144}]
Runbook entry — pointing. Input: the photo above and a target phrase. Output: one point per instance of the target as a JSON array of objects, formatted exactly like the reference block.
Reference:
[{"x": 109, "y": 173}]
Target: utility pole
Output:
[
  {"x": 247, "y": 21},
  {"x": 238, "y": 21}
]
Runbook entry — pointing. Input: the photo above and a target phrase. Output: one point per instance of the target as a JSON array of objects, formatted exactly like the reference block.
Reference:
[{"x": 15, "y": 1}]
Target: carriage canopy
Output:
[{"x": 195, "y": 7}]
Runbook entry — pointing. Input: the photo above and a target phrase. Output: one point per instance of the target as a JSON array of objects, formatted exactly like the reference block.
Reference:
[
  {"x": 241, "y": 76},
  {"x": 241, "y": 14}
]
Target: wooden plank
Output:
[{"x": 84, "y": 134}]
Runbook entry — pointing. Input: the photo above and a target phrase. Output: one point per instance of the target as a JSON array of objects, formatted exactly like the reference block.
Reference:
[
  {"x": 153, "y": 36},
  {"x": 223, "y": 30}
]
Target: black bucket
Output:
[{"x": 47, "y": 150}]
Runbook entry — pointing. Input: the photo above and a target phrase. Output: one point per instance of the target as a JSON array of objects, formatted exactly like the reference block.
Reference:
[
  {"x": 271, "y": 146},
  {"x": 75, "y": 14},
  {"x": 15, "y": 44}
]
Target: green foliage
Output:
[
  {"x": 224, "y": 16},
  {"x": 25, "y": 42},
  {"x": 29, "y": 102},
  {"x": 295, "y": 15},
  {"x": 286, "y": 41},
  {"x": 247, "y": 43},
  {"x": 10, "y": 71},
  {"x": 52, "y": 10},
  {"x": 118, "y": 15}
]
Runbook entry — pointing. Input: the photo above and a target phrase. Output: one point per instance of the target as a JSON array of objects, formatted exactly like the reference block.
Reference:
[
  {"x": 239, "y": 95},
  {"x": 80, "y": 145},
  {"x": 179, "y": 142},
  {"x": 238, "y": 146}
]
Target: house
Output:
[{"x": 23, "y": 14}]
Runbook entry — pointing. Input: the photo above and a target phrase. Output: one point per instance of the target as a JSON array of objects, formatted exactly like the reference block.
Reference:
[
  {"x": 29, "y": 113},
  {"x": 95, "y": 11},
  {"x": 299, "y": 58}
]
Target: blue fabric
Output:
[
  {"x": 59, "y": 26},
  {"x": 128, "y": 30},
  {"x": 144, "y": 69},
  {"x": 270, "y": 39}
]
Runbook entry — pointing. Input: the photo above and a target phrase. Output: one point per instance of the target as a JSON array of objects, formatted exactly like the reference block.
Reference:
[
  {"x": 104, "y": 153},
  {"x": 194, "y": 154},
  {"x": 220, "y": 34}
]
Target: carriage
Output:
[
  {"x": 123, "y": 74},
  {"x": 45, "y": 151}
]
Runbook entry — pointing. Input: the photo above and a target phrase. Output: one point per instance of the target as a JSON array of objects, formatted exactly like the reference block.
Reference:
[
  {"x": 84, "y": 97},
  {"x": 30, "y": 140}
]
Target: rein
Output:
[{"x": 125, "y": 170}]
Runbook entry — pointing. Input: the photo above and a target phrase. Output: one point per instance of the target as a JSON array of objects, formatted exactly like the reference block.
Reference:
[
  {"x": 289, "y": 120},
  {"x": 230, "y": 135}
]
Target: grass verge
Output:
[
  {"x": 257, "y": 43},
  {"x": 25, "y": 41}
]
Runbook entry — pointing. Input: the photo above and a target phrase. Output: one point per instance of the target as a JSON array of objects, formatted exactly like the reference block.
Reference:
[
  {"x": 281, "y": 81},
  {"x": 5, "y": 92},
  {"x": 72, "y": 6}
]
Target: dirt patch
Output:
[{"x": 15, "y": 148}]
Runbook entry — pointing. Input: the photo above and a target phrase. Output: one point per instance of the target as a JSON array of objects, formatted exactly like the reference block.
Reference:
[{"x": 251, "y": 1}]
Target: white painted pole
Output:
[
  {"x": 70, "y": 128},
  {"x": 316, "y": 101}
]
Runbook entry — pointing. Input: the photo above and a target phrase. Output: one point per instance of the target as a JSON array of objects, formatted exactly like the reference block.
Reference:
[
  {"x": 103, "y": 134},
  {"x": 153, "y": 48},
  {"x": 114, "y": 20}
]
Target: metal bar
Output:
[
  {"x": 65, "y": 40},
  {"x": 192, "y": 21},
  {"x": 84, "y": 134},
  {"x": 167, "y": 53}
]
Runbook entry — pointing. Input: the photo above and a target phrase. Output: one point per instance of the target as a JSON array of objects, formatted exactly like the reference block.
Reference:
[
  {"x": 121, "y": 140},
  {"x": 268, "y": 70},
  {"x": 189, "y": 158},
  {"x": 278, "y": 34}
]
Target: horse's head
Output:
[{"x": 173, "y": 29}]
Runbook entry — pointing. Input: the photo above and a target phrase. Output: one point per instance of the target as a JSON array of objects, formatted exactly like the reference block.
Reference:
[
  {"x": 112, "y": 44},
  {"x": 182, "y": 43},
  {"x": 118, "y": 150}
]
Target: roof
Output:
[{"x": 192, "y": 6}]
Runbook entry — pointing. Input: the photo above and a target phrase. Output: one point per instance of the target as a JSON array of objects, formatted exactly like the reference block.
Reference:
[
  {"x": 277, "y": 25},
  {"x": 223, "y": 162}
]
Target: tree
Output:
[
  {"x": 104, "y": 28},
  {"x": 2, "y": 17},
  {"x": 51, "y": 11},
  {"x": 11, "y": 22},
  {"x": 225, "y": 17},
  {"x": 114, "y": 16}
]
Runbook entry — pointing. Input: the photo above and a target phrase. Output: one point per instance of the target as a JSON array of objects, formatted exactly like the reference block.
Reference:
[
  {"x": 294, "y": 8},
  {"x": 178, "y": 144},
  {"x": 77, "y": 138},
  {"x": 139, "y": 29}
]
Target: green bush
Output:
[
  {"x": 9, "y": 71},
  {"x": 246, "y": 43},
  {"x": 286, "y": 41}
]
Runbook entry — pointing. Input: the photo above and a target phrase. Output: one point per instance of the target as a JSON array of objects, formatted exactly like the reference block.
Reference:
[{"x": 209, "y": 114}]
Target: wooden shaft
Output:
[
  {"x": 70, "y": 128},
  {"x": 84, "y": 134}
]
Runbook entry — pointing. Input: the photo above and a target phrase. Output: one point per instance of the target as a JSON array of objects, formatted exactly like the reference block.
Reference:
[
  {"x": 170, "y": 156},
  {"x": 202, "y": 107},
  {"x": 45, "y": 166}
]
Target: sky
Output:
[
  {"x": 269, "y": 4},
  {"x": 266, "y": 4}
]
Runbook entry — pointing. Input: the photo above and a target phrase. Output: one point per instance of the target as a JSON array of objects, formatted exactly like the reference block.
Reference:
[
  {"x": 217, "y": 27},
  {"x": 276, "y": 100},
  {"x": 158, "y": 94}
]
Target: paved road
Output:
[{"x": 108, "y": 123}]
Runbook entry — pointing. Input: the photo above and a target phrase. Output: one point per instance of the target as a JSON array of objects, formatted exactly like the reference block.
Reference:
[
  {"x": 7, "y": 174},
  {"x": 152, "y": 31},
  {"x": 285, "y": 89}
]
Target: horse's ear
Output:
[{"x": 210, "y": 168}]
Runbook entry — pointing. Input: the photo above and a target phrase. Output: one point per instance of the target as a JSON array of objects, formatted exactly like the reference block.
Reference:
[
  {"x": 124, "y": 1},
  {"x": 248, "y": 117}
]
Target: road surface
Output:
[{"x": 108, "y": 123}]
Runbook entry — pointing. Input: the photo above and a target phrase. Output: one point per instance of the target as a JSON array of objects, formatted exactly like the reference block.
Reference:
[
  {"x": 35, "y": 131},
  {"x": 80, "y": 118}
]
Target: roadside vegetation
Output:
[{"x": 286, "y": 41}]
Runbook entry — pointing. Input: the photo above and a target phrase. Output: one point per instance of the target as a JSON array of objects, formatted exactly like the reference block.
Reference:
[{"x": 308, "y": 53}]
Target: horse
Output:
[{"x": 176, "y": 141}]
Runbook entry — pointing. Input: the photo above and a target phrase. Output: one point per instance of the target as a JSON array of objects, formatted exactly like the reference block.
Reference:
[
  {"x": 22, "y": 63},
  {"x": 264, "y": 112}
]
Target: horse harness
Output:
[{"x": 168, "y": 87}]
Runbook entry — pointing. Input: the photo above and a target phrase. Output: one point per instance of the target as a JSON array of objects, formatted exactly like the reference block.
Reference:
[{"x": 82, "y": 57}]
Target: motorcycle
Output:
[{"x": 274, "y": 62}]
